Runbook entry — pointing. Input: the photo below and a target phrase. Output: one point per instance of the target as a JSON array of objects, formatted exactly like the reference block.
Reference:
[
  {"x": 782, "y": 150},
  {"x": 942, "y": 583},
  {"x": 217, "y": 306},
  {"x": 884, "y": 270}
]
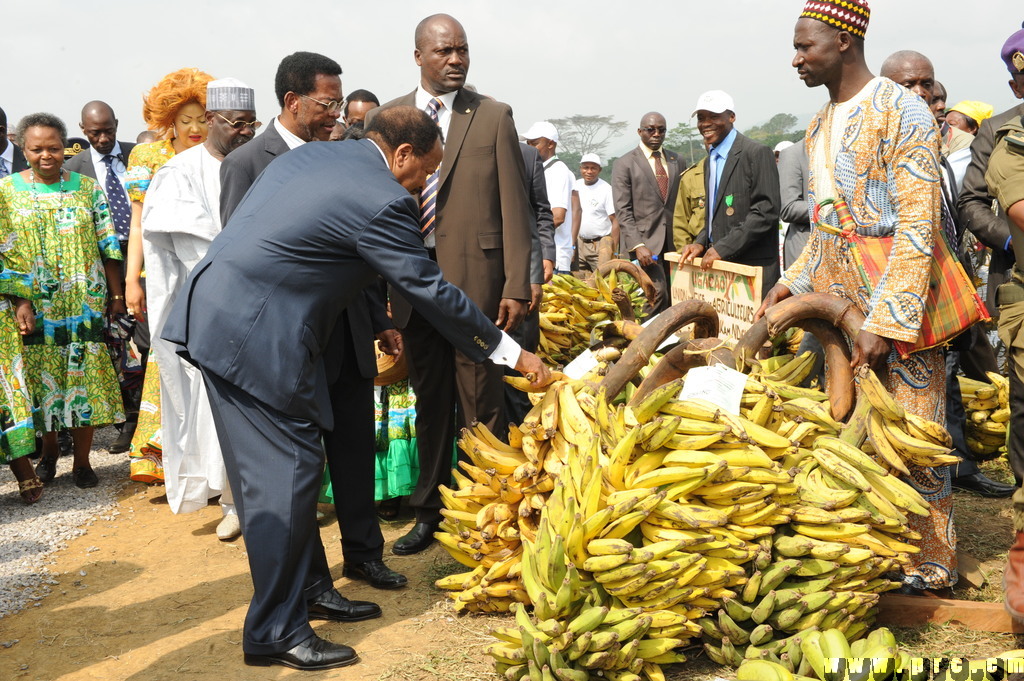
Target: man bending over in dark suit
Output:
[
  {"x": 318, "y": 225},
  {"x": 308, "y": 87}
]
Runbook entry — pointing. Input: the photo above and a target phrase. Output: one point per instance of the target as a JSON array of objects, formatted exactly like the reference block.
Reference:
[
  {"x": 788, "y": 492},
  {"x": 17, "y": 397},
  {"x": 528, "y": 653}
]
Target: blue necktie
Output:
[
  {"x": 120, "y": 212},
  {"x": 713, "y": 194},
  {"x": 428, "y": 197},
  {"x": 4, "y": 172}
]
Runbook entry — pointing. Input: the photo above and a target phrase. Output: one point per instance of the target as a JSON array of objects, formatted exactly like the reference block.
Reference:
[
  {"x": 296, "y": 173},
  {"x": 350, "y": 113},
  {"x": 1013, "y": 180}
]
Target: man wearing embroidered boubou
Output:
[
  {"x": 876, "y": 146},
  {"x": 180, "y": 219}
]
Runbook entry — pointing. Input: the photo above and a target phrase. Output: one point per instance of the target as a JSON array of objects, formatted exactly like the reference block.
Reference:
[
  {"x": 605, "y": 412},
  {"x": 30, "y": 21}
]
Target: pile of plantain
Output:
[
  {"x": 571, "y": 309},
  {"x": 987, "y": 406},
  {"x": 634, "y": 527},
  {"x": 876, "y": 657}
]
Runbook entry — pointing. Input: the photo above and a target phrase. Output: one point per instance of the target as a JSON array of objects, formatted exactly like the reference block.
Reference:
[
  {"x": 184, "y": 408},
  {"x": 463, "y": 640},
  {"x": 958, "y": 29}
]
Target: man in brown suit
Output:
[
  {"x": 644, "y": 187},
  {"x": 476, "y": 224}
]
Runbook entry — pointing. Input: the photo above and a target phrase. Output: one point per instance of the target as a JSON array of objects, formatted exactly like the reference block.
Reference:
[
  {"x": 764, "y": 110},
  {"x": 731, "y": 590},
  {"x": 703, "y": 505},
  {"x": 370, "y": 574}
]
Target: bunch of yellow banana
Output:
[
  {"x": 987, "y": 406},
  {"x": 778, "y": 605},
  {"x": 576, "y": 629},
  {"x": 820, "y": 650},
  {"x": 500, "y": 496},
  {"x": 897, "y": 438},
  {"x": 570, "y": 309}
]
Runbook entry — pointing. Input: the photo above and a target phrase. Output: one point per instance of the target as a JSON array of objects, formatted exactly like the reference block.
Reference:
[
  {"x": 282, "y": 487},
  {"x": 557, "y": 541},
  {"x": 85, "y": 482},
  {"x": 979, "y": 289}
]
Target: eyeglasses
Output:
[
  {"x": 238, "y": 125},
  {"x": 331, "y": 106},
  {"x": 651, "y": 129}
]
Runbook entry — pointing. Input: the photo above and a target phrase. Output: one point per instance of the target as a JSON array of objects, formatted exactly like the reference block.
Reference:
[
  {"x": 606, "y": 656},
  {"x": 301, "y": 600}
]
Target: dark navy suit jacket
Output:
[{"x": 317, "y": 226}]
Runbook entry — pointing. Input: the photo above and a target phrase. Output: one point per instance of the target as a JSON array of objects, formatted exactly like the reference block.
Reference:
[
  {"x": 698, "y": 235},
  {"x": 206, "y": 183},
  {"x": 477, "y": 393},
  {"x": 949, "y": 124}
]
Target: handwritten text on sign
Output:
[{"x": 733, "y": 290}]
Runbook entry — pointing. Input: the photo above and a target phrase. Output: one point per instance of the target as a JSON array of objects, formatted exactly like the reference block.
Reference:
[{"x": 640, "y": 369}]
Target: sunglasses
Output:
[
  {"x": 650, "y": 129},
  {"x": 331, "y": 106},
  {"x": 239, "y": 125}
]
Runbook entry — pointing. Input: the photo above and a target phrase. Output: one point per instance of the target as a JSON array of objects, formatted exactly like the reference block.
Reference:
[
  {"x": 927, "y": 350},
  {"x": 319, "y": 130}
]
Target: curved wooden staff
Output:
[
  {"x": 696, "y": 352},
  {"x": 705, "y": 325},
  {"x": 832, "y": 320},
  {"x": 626, "y": 267}
]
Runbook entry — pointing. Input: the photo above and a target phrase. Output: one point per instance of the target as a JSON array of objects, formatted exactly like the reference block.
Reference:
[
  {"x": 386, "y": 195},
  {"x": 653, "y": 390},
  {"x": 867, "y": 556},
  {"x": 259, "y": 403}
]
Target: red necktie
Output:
[{"x": 660, "y": 174}]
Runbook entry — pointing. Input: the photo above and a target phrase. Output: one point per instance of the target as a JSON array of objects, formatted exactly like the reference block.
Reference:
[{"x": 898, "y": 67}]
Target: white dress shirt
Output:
[
  {"x": 290, "y": 138},
  {"x": 101, "y": 168},
  {"x": 444, "y": 116},
  {"x": 8, "y": 156}
]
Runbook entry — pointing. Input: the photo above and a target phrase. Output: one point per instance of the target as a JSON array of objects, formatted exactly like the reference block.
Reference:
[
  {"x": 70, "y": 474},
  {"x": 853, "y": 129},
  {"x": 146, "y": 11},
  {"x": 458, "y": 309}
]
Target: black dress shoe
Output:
[
  {"x": 984, "y": 485},
  {"x": 419, "y": 537},
  {"x": 331, "y": 605},
  {"x": 379, "y": 575},
  {"x": 312, "y": 654},
  {"x": 84, "y": 477},
  {"x": 46, "y": 469}
]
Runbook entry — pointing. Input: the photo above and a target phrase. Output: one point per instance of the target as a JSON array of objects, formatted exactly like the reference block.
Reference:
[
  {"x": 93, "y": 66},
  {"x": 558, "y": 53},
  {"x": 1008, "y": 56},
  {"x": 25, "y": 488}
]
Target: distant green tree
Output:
[
  {"x": 687, "y": 142},
  {"x": 581, "y": 134},
  {"x": 778, "y": 128}
]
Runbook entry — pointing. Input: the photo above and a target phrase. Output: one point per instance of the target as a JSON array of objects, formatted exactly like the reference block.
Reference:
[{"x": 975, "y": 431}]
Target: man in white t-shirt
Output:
[
  {"x": 559, "y": 179},
  {"x": 593, "y": 214}
]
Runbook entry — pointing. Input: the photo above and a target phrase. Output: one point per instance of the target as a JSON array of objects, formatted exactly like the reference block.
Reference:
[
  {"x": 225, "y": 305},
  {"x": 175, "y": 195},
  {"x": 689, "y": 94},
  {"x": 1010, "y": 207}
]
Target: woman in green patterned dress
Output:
[
  {"x": 56, "y": 232},
  {"x": 17, "y": 432}
]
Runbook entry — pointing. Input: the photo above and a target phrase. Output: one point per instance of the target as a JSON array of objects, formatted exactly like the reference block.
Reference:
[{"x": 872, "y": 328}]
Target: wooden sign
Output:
[{"x": 734, "y": 290}]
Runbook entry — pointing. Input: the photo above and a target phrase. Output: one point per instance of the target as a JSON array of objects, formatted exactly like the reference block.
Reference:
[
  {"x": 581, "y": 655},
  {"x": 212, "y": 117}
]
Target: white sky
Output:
[{"x": 547, "y": 59}]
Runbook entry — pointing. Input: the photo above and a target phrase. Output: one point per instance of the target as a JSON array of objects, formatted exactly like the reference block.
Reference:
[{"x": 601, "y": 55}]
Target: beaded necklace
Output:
[{"x": 40, "y": 225}]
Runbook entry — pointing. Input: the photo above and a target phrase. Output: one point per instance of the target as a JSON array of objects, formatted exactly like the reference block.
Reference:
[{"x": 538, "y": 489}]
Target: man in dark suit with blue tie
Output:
[
  {"x": 318, "y": 225},
  {"x": 742, "y": 185}
]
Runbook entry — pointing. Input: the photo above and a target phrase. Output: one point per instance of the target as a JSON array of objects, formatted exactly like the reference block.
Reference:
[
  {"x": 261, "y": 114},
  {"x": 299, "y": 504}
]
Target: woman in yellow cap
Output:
[{"x": 968, "y": 115}]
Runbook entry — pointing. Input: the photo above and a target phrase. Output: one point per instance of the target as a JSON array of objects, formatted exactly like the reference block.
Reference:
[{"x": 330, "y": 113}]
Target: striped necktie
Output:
[
  {"x": 4, "y": 172},
  {"x": 120, "y": 211},
  {"x": 428, "y": 197}
]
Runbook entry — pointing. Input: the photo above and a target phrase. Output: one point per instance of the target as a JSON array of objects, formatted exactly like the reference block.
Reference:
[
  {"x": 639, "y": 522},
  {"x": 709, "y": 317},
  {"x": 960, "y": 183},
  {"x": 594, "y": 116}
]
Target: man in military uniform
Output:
[
  {"x": 1005, "y": 178},
  {"x": 688, "y": 218}
]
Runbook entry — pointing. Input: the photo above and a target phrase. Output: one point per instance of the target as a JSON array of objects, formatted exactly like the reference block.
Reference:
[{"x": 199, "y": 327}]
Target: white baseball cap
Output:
[
  {"x": 591, "y": 158},
  {"x": 541, "y": 129},
  {"x": 784, "y": 144},
  {"x": 715, "y": 101}
]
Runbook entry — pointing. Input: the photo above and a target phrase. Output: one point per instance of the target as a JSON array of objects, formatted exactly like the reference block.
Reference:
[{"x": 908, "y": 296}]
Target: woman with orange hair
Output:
[{"x": 176, "y": 109}]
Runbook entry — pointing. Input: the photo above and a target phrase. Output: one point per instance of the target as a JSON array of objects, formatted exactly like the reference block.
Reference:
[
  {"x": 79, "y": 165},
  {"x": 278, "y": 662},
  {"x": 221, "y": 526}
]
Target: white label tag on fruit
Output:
[
  {"x": 581, "y": 366},
  {"x": 717, "y": 384}
]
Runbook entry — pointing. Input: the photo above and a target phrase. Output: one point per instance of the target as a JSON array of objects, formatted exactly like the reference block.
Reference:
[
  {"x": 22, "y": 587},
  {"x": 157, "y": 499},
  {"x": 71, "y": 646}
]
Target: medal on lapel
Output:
[{"x": 729, "y": 210}]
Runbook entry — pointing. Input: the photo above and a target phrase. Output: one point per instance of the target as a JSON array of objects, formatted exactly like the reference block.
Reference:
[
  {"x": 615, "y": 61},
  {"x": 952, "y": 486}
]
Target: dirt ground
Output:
[
  {"x": 151, "y": 596},
  {"x": 154, "y": 596}
]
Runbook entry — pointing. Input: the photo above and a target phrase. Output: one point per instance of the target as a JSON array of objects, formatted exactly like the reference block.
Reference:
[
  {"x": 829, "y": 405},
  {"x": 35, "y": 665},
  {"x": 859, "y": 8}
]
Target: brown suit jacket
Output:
[
  {"x": 482, "y": 236},
  {"x": 643, "y": 217}
]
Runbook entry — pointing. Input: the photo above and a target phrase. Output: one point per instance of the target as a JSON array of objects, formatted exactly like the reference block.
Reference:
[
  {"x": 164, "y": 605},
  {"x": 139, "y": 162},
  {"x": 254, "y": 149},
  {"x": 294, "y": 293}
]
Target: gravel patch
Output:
[{"x": 29, "y": 535}]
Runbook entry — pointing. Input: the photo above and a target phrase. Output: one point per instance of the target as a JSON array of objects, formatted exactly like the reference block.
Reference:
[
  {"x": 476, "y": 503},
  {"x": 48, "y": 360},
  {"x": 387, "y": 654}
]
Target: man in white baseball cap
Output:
[
  {"x": 543, "y": 136},
  {"x": 593, "y": 214},
  {"x": 742, "y": 217}
]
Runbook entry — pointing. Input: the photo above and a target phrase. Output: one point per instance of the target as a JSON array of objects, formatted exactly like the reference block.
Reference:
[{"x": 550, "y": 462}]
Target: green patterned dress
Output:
[
  {"x": 17, "y": 431},
  {"x": 58, "y": 241}
]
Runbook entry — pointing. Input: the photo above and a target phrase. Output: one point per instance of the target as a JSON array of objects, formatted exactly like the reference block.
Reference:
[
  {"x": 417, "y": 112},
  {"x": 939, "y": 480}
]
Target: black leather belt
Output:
[{"x": 591, "y": 241}]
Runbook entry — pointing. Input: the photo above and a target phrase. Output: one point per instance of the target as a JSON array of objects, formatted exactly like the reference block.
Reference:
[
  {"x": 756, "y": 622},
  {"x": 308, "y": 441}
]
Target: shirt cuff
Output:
[{"x": 507, "y": 352}]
